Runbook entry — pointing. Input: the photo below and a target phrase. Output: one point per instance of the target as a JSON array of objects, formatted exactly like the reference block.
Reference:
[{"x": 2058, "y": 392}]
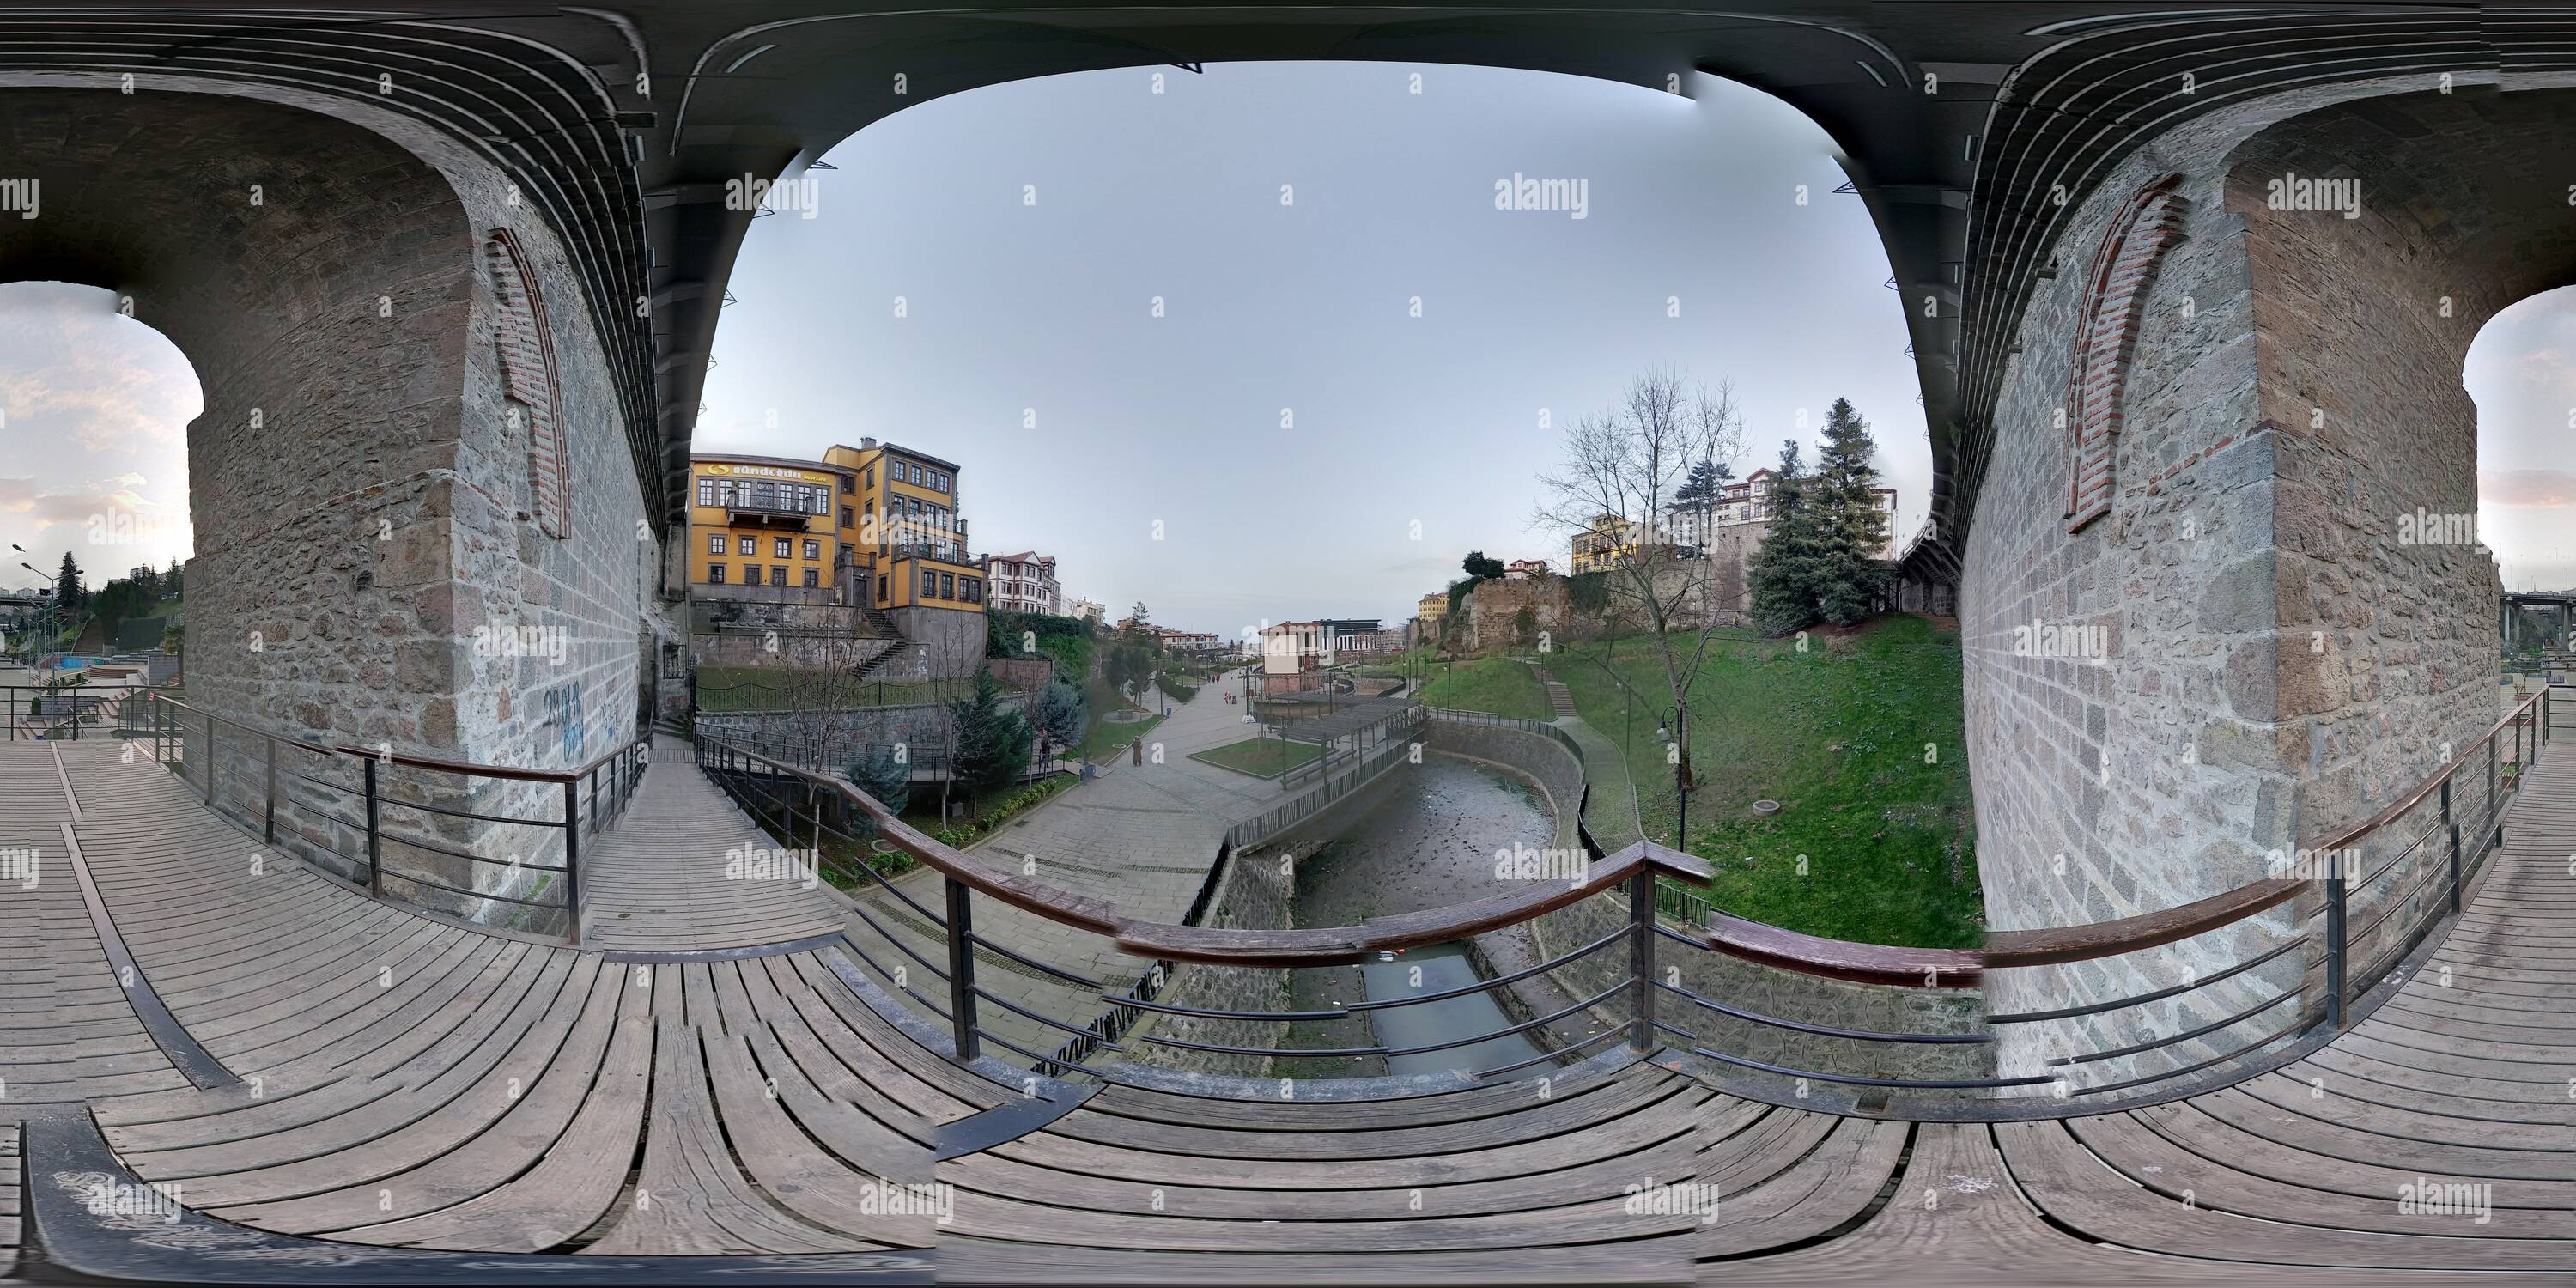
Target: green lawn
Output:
[
  {"x": 1493, "y": 684},
  {"x": 1260, "y": 757},
  {"x": 1862, "y": 741},
  {"x": 1106, "y": 740},
  {"x": 775, "y": 688}
]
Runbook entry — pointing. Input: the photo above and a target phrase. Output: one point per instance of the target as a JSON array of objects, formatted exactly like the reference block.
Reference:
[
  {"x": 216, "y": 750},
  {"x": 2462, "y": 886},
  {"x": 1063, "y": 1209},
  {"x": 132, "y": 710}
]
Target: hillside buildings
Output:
[{"x": 1023, "y": 583}]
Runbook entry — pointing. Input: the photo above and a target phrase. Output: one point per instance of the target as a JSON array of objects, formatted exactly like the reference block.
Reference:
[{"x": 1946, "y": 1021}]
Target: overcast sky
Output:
[{"x": 1028, "y": 229}]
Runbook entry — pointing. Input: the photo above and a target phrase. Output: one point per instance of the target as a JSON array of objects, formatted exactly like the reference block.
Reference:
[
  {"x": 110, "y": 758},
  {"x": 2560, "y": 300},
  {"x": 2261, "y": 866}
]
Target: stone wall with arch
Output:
[
  {"x": 370, "y": 563},
  {"x": 2276, "y": 661}
]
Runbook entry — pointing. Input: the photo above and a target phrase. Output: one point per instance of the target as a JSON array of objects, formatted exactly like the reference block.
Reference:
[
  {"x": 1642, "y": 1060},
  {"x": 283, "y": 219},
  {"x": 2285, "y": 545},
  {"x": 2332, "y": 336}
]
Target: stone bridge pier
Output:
[
  {"x": 418, "y": 520},
  {"x": 2222, "y": 596}
]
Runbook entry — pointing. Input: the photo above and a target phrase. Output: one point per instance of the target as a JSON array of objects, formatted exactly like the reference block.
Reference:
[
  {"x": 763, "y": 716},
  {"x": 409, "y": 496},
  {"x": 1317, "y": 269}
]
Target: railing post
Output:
[
  {"x": 2334, "y": 940},
  {"x": 2451, "y": 824},
  {"x": 961, "y": 967},
  {"x": 210, "y": 762},
  {"x": 1641, "y": 959},
  {"x": 375, "y": 855},
  {"x": 268, "y": 813},
  {"x": 572, "y": 856}
]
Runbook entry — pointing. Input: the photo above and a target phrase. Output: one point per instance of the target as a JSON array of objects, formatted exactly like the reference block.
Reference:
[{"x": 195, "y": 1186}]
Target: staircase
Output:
[
  {"x": 1559, "y": 698},
  {"x": 876, "y": 660}
]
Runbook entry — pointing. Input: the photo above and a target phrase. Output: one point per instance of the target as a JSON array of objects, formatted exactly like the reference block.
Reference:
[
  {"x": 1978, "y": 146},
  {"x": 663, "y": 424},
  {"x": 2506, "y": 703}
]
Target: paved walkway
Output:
[
  {"x": 1610, "y": 809},
  {"x": 686, "y": 869},
  {"x": 1141, "y": 837}
]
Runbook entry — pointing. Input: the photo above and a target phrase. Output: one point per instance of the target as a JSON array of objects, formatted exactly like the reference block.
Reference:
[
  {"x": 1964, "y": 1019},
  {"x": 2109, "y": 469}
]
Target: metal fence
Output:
[{"x": 486, "y": 845}]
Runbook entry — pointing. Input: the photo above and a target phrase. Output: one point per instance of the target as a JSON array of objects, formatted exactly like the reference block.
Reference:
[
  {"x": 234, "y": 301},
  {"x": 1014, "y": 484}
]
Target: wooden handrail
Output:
[
  {"x": 2058, "y": 945},
  {"x": 1735, "y": 936},
  {"x": 1843, "y": 959},
  {"x": 1223, "y": 946}
]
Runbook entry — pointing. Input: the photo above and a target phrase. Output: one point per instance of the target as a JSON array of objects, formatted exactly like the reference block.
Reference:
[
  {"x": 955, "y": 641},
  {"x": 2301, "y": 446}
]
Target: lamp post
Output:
[
  {"x": 49, "y": 620},
  {"x": 1673, "y": 735}
]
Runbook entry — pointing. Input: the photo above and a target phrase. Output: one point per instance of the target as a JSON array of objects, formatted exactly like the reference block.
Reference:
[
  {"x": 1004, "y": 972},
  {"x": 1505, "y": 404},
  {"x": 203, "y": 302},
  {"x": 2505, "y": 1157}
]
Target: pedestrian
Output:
[{"x": 1136, "y": 748}]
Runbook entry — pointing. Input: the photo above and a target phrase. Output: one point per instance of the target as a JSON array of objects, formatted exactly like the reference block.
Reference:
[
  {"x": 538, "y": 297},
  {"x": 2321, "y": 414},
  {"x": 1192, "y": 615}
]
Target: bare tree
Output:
[{"x": 1612, "y": 497}]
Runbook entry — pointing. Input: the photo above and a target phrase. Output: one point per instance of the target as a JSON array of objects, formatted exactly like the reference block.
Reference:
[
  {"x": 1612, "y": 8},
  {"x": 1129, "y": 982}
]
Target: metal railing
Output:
[
  {"x": 486, "y": 845},
  {"x": 834, "y": 815},
  {"x": 2294, "y": 953},
  {"x": 1279, "y": 818}
]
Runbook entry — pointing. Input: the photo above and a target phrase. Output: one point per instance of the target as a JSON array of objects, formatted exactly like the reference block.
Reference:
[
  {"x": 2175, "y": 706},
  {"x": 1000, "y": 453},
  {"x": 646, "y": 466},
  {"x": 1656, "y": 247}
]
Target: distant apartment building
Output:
[
  {"x": 765, "y": 523},
  {"x": 1524, "y": 569},
  {"x": 1607, "y": 542},
  {"x": 1325, "y": 639},
  {"x": 1023, "y": 583},
  {"x": 874, "y": 526},
  {"x": 1088, "y": 610},
  {"x": 1190, "y": 643},
  {"x": 1697, "y": 525}
]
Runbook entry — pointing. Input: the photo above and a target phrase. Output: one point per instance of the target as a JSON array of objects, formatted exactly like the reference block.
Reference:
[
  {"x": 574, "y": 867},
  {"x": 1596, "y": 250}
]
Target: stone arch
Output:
[
  {"x": 2380, "y": 236},
  {"x": 357, "y": 499},
  {"x": 526, "y": 346}
]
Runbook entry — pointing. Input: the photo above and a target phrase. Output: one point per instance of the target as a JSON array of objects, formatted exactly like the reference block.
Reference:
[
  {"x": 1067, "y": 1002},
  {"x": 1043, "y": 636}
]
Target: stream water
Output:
[{"x": 1429, "y": 845}]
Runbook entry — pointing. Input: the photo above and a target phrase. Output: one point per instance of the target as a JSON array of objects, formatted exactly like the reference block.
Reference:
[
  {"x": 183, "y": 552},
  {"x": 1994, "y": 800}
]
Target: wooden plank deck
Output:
[
  {"x": 659, "y": 880},
  {"x": 409, "y": 1084}
]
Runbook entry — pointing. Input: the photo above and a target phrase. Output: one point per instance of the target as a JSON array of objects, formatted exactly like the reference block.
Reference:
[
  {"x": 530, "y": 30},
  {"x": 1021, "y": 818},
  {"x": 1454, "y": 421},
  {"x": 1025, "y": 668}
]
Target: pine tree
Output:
[
  {"x": 67, "y": 584},
  {"x": 878, "y": 773},
  {"x": 992, "y": 741},
  {"x": 1852, "y": 530},
  {"x": 1785, "y": 568}
]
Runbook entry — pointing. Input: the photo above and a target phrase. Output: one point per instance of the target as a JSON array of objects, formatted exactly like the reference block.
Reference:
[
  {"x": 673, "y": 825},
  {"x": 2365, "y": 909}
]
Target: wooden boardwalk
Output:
[
  {"x": 392, "y": 1082},
  {"x": 672, "y": 875}
]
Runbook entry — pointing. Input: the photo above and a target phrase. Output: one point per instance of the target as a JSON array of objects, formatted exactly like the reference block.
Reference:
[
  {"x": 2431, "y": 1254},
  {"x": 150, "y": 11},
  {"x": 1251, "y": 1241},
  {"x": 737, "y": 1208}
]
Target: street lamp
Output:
[
  {"x": 1671, "y": 733},
  {"x": 50, "y": 617}
]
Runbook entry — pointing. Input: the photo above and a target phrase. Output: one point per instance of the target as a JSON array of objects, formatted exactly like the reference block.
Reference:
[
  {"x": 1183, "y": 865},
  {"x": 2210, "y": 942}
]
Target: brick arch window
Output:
[
  {"x": 527, "y": 349},
  {"x": 2106, "y": 335}
]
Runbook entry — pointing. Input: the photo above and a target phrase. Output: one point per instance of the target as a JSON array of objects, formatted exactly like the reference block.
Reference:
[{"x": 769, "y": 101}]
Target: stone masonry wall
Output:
[
  {"x": 368, "y": 570},
  {"x": 2253, "y": 660}
]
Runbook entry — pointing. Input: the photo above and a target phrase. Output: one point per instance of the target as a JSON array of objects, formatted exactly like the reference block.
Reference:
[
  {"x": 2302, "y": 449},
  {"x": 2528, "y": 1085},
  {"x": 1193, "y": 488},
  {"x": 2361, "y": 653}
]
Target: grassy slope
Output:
[
  {"x": 1836, "y": 734},
  {"x": 782, "y": 687},
  {"x": 1496, "y": 684}
]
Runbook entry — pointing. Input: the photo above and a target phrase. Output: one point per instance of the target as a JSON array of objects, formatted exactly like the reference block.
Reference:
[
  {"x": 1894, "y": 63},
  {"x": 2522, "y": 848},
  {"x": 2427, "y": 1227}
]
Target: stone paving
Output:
[{"x": 1138, "y": 836}]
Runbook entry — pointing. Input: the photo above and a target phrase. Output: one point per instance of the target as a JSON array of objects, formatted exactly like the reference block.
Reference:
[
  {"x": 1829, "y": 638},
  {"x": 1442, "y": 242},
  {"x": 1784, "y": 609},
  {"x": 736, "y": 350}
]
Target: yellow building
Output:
[
  {"x": 762, "y": 521},
  {"x": 899, "y": 516},
  {"x": 1604, "y": 545}
]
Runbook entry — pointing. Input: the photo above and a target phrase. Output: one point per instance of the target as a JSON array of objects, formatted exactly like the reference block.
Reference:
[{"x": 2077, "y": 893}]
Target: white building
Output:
[
  {"x": 1088, "y": 610},
  {"x": 1693, "y": 525},
  {"x": 1023, "y": 583}
]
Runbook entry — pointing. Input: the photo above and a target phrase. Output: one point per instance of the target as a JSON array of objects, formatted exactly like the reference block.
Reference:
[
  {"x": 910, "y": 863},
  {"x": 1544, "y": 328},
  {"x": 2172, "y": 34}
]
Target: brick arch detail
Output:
[
  {"x": 2106, "y": 335},
  {"x": 527, "y": 350}
]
